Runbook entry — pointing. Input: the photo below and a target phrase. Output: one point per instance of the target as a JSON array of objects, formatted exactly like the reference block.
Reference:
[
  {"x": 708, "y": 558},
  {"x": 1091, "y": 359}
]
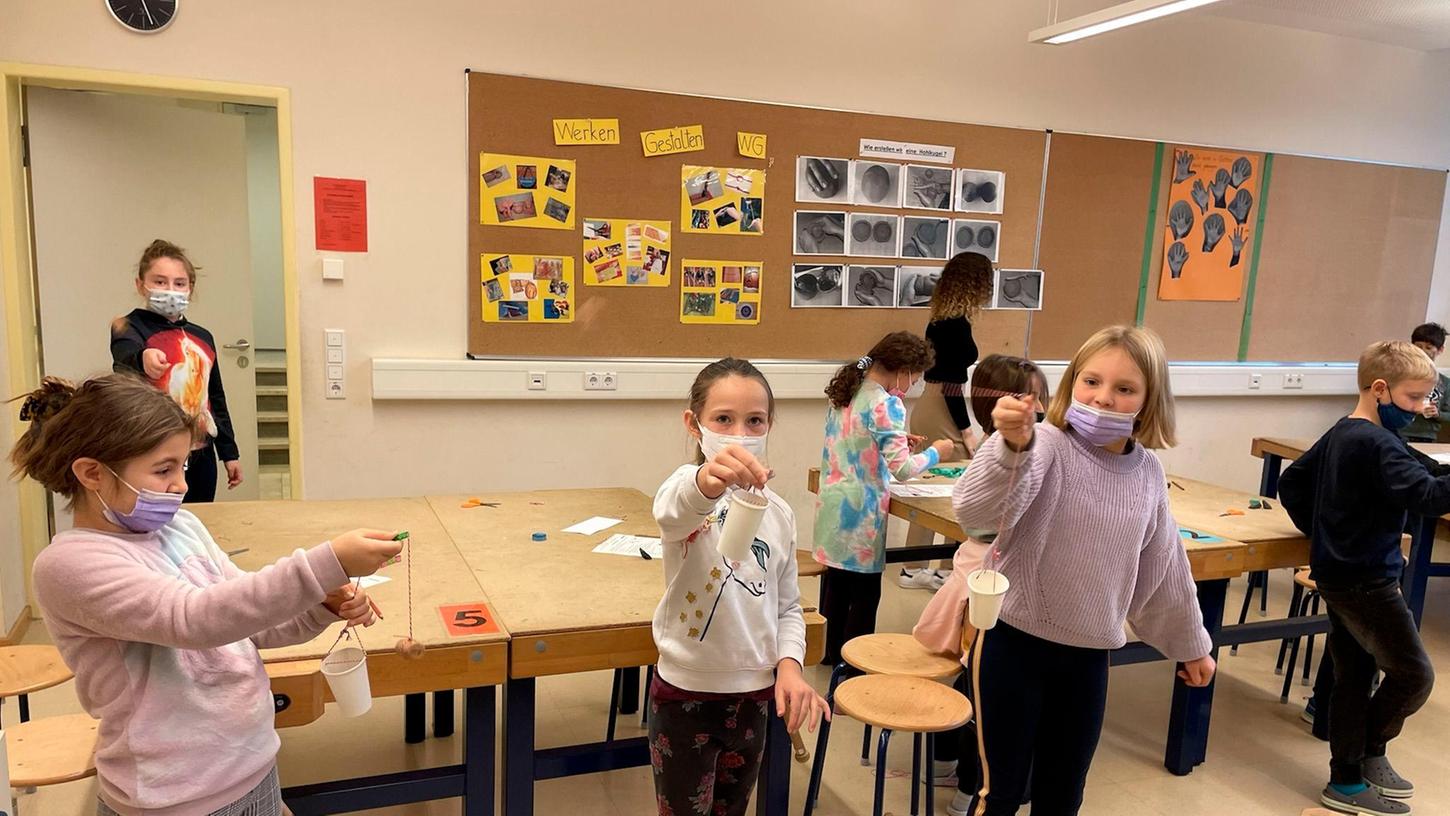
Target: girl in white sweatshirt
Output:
[{"x": 730, "y": 633}]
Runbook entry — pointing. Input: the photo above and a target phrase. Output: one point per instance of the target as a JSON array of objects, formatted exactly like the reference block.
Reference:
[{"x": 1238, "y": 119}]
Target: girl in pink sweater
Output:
[
  {"x": 1088, "y": 543},
  {"x": 160, "y": 628}
]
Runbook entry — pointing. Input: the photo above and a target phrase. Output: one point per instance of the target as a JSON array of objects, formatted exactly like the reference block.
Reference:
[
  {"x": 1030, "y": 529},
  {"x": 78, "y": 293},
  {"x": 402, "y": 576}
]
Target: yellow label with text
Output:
[
  {"x": 586, "y": 131},
  {"x": 751, "y": 145},
  {"x": 683, "y": 139}
]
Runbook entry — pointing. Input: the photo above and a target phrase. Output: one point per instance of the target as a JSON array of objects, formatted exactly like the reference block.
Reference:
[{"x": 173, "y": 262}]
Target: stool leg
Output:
[
  {"x": 881, "y": 771},
  {"x": 915, "y": 774},
  {"x": 25, "y": 708},
  {"x": 415, "y": 716},
  {"x": 1253, "y": 578},
  {"x": 649, "y": 678},
  {"x": 1264, "y": 593},
  {"x": 866, "y": 745},
  {"x": 930, "y": 782},
  {"x": 613, "y": 704},
  {"x": 1294, "y": 601},
  {"x": 1309, "y": 648},
  {"x": 818, "y": 762},
  {"x": 1302, "y": 609}
]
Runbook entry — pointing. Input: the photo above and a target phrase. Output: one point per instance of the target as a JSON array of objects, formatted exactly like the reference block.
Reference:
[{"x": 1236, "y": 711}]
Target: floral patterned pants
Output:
[{"x": 706, "y": 754}]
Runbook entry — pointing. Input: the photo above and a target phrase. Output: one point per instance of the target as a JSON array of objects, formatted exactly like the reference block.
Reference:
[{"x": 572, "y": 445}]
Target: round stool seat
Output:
[
  {"x": 807, "y": 565},
  {"x": 912, "y": 704},
  {"x": 898, "y": 655},
  {"x": 28, "y": 669},
  {"x": 1301, "y": 577},
  {"x": 51, "y": 750}
]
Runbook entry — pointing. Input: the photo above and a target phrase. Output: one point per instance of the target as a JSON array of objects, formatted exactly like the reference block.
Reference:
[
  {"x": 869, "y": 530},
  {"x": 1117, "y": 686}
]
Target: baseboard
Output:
[{"x": 22, "y": 624}]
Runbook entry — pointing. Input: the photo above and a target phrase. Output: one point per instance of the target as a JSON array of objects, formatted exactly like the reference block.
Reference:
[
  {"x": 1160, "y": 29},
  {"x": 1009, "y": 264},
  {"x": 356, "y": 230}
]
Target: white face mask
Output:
[
  {"x": 917, "y": 389},
  {"x": 168, "y": 303},
  {"x": 712, "y": 443}
]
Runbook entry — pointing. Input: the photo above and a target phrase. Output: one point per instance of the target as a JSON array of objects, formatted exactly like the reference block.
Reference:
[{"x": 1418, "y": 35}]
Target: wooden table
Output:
[
  {"x": 571, "y": 610},
  {"x": 1257, "y": 540},
  {"x": 1421, "y": 566},
  {"x": 261, "y": 532}
]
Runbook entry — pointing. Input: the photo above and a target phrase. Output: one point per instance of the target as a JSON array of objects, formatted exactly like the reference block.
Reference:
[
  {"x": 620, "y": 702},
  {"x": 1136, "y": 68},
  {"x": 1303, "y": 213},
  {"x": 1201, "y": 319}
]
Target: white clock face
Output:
[{"x": 143, "y": 16}]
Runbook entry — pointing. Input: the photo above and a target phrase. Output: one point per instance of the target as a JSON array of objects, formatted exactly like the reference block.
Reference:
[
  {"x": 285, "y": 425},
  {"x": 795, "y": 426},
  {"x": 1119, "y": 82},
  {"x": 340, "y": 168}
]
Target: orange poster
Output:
[{"x": 1208, "y": 233}]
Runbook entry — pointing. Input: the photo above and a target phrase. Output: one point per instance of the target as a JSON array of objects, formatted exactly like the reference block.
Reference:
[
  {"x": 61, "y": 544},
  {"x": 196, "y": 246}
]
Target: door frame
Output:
[{"x": 17, "y": 254}]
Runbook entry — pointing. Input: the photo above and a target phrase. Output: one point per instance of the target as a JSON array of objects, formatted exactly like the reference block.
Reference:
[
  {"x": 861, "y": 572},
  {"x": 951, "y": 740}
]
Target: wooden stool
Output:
[
  {"x": 28, "y": 669},
  {"x": 889, "y": 654},
  {"x": 1305, "y": 601},
  {"x": 912, "y": 704},
  {"x": 51, "y": 750},
  {"x": 807, "y": 565}
]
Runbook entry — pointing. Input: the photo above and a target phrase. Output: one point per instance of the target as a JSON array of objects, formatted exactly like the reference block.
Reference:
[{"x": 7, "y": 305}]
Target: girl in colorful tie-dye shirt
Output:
[{"x": 866, "y": 444}]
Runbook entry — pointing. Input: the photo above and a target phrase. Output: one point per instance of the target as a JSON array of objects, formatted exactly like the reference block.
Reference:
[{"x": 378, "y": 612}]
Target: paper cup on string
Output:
[
  {"x": 985, "y": 589},
  {"x": 741, "y": 523},
  {"x": 346, "y": 672}
]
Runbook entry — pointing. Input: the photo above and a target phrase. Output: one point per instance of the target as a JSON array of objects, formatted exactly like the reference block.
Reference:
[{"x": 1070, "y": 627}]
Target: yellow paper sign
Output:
[
  {"x": 750, "y": 145},
  {"x": 684, "y": 139},
  {"x": 527, "y": 288},
  {"x": 625, "y": 252},
  {"x": 586, "y": 131},
  {"x": 720, "y": 292},
  {"x": 722, "y": 200},
  {"x": 526, "y": 191}
]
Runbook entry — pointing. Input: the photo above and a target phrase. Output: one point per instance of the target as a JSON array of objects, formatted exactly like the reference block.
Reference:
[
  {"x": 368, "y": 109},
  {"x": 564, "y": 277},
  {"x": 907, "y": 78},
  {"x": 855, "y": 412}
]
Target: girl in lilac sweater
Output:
[
  {"x": 1088, "y": 544},
  {"x": 160, "y": 628}
]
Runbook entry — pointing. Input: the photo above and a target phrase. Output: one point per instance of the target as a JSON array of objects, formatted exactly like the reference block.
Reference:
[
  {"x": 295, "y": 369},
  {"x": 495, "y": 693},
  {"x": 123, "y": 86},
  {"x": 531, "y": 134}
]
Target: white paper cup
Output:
[
  {"x": 741, "y": 523},
  {"x": 346, "y": 672},
  {"x": 985, "y": 588}
]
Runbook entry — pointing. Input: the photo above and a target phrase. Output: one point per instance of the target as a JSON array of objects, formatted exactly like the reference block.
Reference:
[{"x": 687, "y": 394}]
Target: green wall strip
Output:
[
  {"x": 1148, "y": 234},
  {"x": 1254, "y": 262}
]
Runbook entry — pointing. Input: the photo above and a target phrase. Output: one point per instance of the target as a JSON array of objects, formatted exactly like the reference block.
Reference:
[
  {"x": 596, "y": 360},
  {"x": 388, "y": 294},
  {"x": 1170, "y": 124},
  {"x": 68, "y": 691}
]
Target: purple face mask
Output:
[
  {"x": 153, "y": 509},
  {"x": 1097, "y": 426}
]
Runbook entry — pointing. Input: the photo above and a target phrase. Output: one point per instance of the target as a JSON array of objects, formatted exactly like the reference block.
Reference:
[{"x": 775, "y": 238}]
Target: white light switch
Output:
[
  {"x": 332, "y": 269},
  {"x": 336, "y": 387}
]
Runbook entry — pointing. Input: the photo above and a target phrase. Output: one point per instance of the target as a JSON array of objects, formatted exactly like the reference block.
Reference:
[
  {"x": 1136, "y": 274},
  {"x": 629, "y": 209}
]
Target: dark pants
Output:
[
  {"x": 706, "y": 754},
  {"x": 961, "y": 745},
  {"x": 1041, "y": 715},
  {"x": 201, "y": 475},
  {"x": 1372, "y": 629},
  {"x": 848, "y": 601}
]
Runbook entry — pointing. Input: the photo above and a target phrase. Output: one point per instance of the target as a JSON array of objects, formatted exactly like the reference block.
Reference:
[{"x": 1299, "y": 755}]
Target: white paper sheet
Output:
[
  {"x": 917, "y": 490},
  {"x": 590, "y": 526},
  {"x": 622, "y": 544},
  {"x": 372, "y": 580},
  {"x": 1442, "y": 458}
]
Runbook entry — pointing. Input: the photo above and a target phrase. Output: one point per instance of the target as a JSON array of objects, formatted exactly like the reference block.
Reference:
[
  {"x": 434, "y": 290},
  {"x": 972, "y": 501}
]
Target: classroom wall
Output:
[
  {"x": 378, "y": 91},
  {"x": 12, "y": 552}
]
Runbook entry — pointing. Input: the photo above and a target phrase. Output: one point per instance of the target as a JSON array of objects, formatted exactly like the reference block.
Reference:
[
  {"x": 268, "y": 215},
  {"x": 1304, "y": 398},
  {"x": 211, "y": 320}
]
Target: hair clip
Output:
[{"x": 864, "y": 363}]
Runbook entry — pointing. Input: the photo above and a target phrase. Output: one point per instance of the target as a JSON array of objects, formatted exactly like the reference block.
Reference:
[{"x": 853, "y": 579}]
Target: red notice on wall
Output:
[{"x": 341, "y": 207}]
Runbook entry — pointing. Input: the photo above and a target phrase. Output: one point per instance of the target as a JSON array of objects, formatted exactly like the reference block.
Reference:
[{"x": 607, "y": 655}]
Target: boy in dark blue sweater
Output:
[{"x": 1349, "y": 493}]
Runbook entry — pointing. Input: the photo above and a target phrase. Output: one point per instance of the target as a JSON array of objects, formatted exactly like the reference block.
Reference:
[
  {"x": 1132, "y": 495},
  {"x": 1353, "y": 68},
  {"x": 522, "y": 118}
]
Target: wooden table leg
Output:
[{"x": 1189, "y": 715}]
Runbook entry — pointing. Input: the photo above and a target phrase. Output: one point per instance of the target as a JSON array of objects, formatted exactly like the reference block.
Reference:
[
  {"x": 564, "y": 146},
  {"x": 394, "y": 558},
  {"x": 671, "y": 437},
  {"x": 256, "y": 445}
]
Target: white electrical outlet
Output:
[
  {"x": 537, "y": 381},
  {"x": 1256, "y": 380},
  {"x": 1294, "y": 380},
  {"x": 601, "y": 381}
]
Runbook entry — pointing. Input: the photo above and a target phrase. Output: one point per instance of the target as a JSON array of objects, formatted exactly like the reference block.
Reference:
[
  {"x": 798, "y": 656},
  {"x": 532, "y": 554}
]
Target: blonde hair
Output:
[
  {"x": 1395, "y": 361},
  {"x": 1155, "y": 426},
  {"x": 965, "y": 286}
]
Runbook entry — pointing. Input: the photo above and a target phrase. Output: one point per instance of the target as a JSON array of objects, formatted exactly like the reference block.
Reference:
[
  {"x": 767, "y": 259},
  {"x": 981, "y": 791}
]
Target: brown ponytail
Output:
[
  {"x": 162, "y": 248},
  {"x": 898, "y": 351},
  {"x": 111, "y": 419}
]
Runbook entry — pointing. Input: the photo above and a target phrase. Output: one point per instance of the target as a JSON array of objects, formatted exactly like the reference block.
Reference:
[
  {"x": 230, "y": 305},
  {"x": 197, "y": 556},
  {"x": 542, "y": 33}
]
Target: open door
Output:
[{"x": 109, "y": 173}]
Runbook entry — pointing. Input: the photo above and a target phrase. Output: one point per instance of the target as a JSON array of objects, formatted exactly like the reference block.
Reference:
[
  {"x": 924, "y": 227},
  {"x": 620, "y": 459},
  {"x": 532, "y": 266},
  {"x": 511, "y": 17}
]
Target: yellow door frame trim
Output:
[{"x": 17, "y": 255}]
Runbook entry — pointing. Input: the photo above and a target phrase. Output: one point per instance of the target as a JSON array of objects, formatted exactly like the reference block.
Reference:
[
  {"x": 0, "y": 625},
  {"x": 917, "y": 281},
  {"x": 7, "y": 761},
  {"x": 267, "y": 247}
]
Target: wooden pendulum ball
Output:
[{"x": 409, "y": 648}]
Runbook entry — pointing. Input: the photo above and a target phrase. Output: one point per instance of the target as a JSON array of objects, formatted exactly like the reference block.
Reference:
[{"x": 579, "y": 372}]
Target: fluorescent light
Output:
[{"x": 1111, "y": 18}]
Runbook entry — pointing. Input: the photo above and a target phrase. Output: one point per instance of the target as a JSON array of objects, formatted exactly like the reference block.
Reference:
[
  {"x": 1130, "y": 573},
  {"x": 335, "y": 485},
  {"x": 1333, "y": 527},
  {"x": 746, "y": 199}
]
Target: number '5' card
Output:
[{"x": 469, "y": 619}]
